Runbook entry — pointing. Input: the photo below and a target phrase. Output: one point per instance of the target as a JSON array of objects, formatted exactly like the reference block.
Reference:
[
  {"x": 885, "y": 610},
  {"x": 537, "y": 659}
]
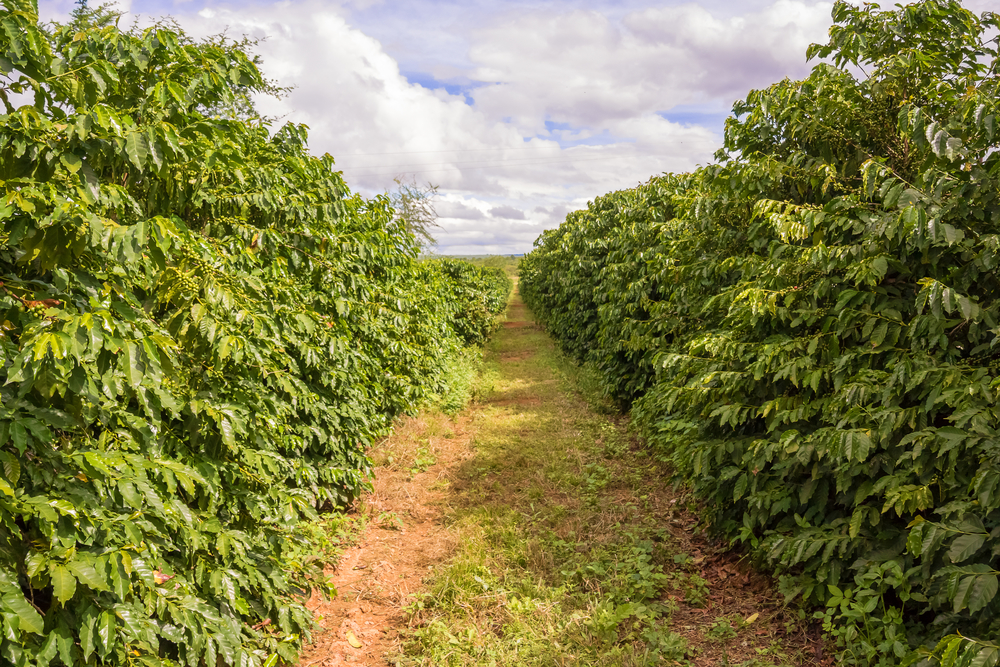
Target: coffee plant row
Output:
[
  {"x": 201, "y": 331},
  {"x": 808, "y": 330}
]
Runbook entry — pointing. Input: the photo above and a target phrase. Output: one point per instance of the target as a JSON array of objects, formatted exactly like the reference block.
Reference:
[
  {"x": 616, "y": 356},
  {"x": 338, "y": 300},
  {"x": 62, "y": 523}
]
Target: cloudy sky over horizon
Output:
[{"x": 519, "y": 111}]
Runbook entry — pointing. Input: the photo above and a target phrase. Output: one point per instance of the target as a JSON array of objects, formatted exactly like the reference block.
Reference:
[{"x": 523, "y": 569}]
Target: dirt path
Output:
[
  {"x": 405, "y": 540},
  {"x": 532, "y": 529}
]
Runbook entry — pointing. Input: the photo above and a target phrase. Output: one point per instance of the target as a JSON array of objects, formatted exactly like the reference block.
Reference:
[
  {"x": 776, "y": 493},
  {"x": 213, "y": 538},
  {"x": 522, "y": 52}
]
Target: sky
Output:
[{"x": 519, "y": 111}]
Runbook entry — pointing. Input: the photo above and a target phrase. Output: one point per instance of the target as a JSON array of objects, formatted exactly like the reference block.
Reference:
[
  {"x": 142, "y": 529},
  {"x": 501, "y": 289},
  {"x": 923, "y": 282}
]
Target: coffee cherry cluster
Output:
[{"x": 188, "y": 282}]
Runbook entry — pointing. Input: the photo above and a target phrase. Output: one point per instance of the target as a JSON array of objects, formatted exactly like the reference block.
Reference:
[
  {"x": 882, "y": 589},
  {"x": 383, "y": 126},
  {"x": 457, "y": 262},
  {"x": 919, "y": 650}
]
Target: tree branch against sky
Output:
[{"x": 414, "y": 206}]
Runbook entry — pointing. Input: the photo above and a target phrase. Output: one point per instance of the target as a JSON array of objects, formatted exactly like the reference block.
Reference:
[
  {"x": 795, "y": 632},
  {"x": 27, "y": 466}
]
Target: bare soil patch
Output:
[{"x": 405, "y": 540}]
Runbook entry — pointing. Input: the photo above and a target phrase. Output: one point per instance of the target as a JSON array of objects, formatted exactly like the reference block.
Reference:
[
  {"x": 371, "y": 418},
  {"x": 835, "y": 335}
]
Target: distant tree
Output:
[
  {"x": 414, "y": 205},
  {"x": 83, "y": 17}
]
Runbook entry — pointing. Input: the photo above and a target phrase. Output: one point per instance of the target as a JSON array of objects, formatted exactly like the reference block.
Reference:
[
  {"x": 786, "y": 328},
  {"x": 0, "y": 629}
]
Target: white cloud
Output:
[
  {"x": 507, "y": 212},
  {"x": 457, "y": 210},
  {"x": 585, "y": 68}
]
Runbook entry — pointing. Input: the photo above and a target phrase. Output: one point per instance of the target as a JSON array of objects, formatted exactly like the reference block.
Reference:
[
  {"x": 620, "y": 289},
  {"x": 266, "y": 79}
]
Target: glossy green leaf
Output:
[{"x": 63, "y": 583}]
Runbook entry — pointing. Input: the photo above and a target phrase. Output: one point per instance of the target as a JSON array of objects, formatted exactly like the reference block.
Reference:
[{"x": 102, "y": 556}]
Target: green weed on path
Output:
[{"x": 573, "y": 549}]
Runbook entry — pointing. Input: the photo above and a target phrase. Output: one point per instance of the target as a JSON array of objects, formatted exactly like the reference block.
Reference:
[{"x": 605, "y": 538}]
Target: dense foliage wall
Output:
[
  {"x": 479, "y": 294},
  {"x": 808, "y": 330},
  {"x": 201, "y": 330}
]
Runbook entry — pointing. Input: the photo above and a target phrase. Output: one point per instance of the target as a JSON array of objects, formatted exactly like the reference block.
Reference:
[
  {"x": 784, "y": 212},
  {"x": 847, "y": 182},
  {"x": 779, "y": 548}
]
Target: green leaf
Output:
[
  {"x": 856, "y": 518},
  {"x": 63, "y": 583},
  {"x": 65, "y": 643},
  {"x": 29, "y": 619},
  {"x": 908, "y": 198},
  {"x": 131, "y": 623},
  {"x": 19, "y": 436},
  {"x": 86, "y": 573},
  {"x": 11, "y": 468},
  {"x": 982, "y": 592},
  {"x": 880, "y": 266},
  {"x": 137, "y": 149},
  {"x": 856, "y": 444},
  {"x": 951, "y": 651},
  {"x": 88, "y": 641},
  {"x": 226, "y": 428},
  {"x": 91, "y": 186},
  {"x": 953, "y": 148},
  {"x": 967, "y": 307},
  {"x": 132, "y": 364},
  {"x": 176, "y": 91},
  {"x": 986, "y": 657},
  {"x": 740, "y": 488},
  {"x": 129, "y": 495},
  {"x": 106, "y": 626},
  {"x": 49, "y": 650},
  {"x": 959, "y": 602},
  {"x": 965, "y": 546},
  {"x": 71, "y": 162},
  {"x": 938, "y": 141}
]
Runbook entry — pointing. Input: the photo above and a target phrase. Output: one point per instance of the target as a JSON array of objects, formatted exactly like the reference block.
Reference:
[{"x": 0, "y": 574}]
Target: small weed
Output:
[
  {"x": 423, "y": 460},
  {"x": 418, "y": 601},
  {"x": 456, "y": 385},
  {"x": 683, "y": 559},
  {"x": 693, "y": 588},
  {"x": 313, "y": 544},
  {"x": 766, "y": 657},
  {"x": 867, "y": 629},
  {"x": 596, "y": 478},
  {"x": 720, "y": 631},
  {"x": 382, "y": 459},
  {"x": 389, "y": 521},
  {"x": 614, "y": 441},
  {"x": 665, "y": 645}
]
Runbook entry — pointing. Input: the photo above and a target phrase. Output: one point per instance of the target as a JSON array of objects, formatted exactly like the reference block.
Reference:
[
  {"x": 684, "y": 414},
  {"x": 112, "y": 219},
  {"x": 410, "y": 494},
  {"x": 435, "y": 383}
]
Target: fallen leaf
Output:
[
  {"x": 353, "y": 641},
  {"x": 750, "y": 619}
]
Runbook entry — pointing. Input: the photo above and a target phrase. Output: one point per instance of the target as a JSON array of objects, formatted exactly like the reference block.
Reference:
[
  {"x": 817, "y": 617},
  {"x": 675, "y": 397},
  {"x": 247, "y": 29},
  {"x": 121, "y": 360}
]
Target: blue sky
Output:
[{"x": 519, "y": 111}]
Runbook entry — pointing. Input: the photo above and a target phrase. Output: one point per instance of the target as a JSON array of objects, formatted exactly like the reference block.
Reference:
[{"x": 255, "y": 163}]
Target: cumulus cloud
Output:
[
  {"x": 508, "y": 212},
  {"x": 457, "y": 210},
  {"x": 588, "y": 69}
]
